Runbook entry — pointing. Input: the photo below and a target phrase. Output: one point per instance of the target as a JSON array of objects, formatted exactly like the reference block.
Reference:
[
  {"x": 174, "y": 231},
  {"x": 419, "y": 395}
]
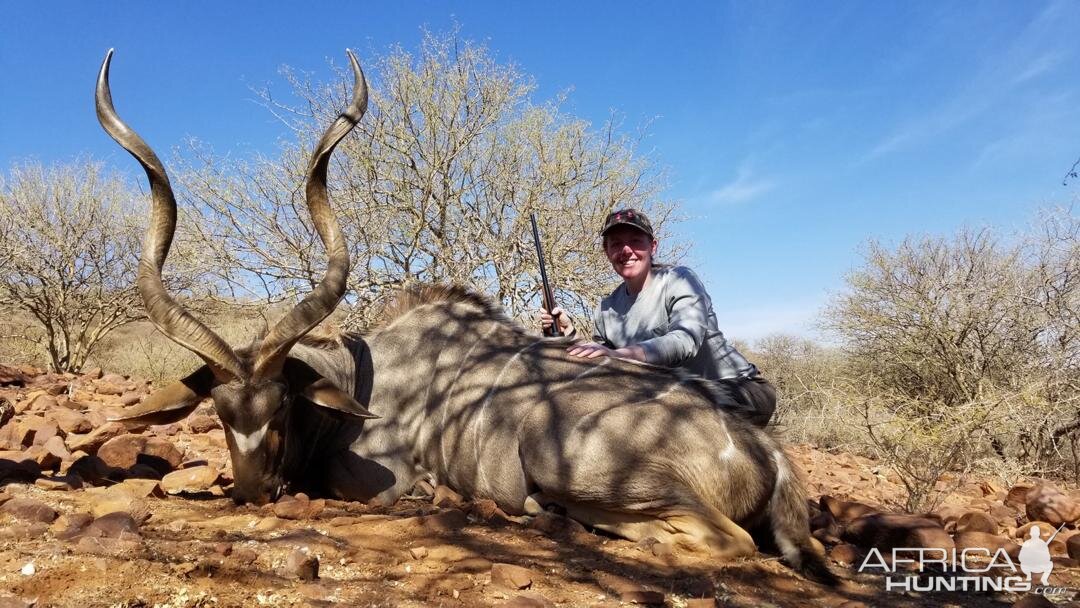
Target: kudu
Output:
[{"x": 466, "y": 397}]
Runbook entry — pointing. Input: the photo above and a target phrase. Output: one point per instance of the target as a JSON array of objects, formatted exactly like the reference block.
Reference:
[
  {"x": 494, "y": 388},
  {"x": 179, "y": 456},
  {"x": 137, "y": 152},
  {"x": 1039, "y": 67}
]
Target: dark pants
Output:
[{"x": 757, "y": 396}]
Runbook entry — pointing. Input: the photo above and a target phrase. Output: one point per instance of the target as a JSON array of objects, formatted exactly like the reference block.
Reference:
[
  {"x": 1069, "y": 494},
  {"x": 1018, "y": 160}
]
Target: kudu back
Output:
[{"x": 447, "y": 388}]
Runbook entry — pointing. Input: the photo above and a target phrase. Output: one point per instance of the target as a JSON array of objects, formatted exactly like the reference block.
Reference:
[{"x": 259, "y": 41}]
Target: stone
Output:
[
  {"x": 7, "y": 411},
  {"x": 130, "y": 398},
  {"x": 10, "y": 376},
  {"x": 90, "y": 442},
  {"x": 117, "y": 524},
  {"x": 1047, "y": 503},
  {"x": 28, "y": 509},
  {"x": 302, "y": 565},
  {"x": 1017, "y": 495},
  {"x": 628, "y": 590},
  {"x": 1072, "y": 546},
  {"x": 15, "y": 466},
  {"x": 845, "y": 511},
  {"x": 70, "y": 525},
  {"x": 123, "y": 548},
  {"x": 844, "y": 554},
  {"x": 60, "y": 483},
  {"x": 701, "y": 602},
  {"x": 445, "y": 497},
  {"x": 114, "y": 378},
  {"x": 70, "y": 421},
  {"x": 528, "y": 600},
  {"x": 125, "y": 451},
  {"x": 292, "y": 507},
  {"x": 44, "y": 458},
  {"x": 662, "y": 549},
  {"x": 1033, "y": 600},
  {"x": 201, "y": 423},
  {"x": 418, "y": 552},
  {"x": 56, "y": 446},
  {"x": 889, "y": 530},
  {"x": 91, "y": 374},
  {"x": 511, "y": 576},
  {"x": 983, "y": 540},
  {"x": 974, "y": 521},
  {"x": 118, "y": 502},
  {"x": 244, "y": 555},
  {"x": 191, "y": 480},
  {"x": 1045, "y": 530},
  {"x": 139, "y": 488},
  {"x": 447, "y": 520}
]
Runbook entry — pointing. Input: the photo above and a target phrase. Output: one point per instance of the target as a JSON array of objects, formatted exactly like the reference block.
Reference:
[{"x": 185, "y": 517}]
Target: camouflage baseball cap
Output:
[{"x": 628, "y": 217}]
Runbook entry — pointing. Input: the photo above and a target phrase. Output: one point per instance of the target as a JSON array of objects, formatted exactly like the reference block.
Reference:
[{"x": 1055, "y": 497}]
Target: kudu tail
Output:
[{"x": 790, "y": 523}]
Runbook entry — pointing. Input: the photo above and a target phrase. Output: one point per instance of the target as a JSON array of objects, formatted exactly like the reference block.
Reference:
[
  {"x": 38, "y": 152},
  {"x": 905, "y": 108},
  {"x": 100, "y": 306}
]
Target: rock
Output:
[
  {"x": 629, "y": 591},
  {"x": 10, "y": 376},
  {"x": 61, "y": 483},
  {"x": 445, "y": 497},
  {"x": 974, "y": 521},
  {"x": 292, "y": 507},
  {"x": 113, "y": 378},
  {"x": 10, "y": 601},
  {"x": 28, "y": 509},
  {"x": 511, "y": 576},
  {"x": 552, "y": 524},
  {"x": 201, "y": 423},
  {"x": 118, "y": 502},
  {"x": 844, "y": 554},
  {"x": 125, "y": 451},
  {"x": 889, "y": 530},
  {"x": 1017, "y": 495},
  {"x": 56, "y": 446},
  {"x": 117, "y": 524},
  {"x": 845, "y": 511},
  {"x": 16, "y": 466},
  {"x": 123, "y": 548},
  {"x": 104, "y": 388},
  {"x": 70, "y": 525},
  {"x": 90, "y": 442},
  {"x": 244, "y": 555},
  {"x": 529, "y": 600},
  {"x": 1045, "y": 530},
  {"x": 45, "y": 459},
  {"x": 69, "y": 421},
  {"x": 139, "y": 488},
  {"x": 983, "y": 540},
  {"x": 662, "y": 549},
  {"x": 130, "y": 398},
  {"x": 1047, "y": 503},
  {"x": 447, "y": 520},
  {"x": 92, "y": 470},
  {"x": 1072, "y": 546},
  {"x": 302, "y": 565},
  {"x": 1033, "y": 600},
  {"x": 91, "y": 374},
  {"x": 191, "y": 480},
  {"x": 7, "y": 411},
  {"x": 418, "y": 552},
  {"x": 701, "y": 602}
]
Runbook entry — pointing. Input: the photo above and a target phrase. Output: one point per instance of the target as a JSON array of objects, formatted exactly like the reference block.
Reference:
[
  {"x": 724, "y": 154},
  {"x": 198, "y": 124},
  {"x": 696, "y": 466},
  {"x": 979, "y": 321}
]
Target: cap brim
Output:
[{"x": 631, "y": 224}]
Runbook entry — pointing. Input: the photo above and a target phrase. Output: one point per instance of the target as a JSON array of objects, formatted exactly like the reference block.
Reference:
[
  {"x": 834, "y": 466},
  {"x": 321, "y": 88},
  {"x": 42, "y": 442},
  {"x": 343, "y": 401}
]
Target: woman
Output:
[{"x": 663, "y": 315}]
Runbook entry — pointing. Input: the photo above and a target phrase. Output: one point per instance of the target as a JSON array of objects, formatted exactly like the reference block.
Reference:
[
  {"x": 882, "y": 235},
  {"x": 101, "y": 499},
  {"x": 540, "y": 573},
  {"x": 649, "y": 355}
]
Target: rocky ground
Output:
[{"x": 96, "y": 514}]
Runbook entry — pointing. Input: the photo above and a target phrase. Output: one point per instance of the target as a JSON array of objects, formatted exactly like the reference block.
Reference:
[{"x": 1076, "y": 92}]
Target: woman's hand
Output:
[
  {"x": 556, "y": 314},
  {"x": 592, "y": 350}
]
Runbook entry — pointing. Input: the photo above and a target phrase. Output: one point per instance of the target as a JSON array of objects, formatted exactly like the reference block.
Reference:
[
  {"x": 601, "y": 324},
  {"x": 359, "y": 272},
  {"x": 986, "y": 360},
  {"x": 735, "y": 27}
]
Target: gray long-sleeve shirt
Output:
[{"x": 672, "y": 319}]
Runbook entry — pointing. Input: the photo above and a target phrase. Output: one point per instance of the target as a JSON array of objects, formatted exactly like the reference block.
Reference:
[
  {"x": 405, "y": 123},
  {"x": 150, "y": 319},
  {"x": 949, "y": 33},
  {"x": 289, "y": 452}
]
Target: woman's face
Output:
[{"x": 630, "y": 252}]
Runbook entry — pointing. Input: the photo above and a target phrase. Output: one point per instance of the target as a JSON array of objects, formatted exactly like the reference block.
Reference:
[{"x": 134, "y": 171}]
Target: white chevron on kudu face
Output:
[{"x": 247, "y": 443}]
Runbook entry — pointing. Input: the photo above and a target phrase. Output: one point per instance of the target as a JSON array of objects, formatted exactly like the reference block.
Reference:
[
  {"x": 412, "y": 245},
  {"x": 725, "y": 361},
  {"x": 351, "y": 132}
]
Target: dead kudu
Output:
[{"x": 464, "y": 396}]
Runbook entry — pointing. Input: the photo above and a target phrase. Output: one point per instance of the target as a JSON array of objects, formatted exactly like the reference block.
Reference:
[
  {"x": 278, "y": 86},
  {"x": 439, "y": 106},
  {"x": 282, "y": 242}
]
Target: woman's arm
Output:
[{"x": 688, "y": 312}]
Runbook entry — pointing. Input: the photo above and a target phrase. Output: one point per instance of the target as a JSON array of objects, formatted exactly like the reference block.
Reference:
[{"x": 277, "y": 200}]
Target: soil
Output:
[{"x": 199, "y": 549}]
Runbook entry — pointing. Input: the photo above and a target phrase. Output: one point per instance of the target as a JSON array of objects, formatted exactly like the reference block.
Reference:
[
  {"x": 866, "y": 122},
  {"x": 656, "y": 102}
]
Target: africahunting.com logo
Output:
[{"x": 971, "y": 569}]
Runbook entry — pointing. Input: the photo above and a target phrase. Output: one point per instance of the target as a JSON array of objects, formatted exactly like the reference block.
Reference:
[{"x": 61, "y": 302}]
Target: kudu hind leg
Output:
[{"x": 717, "y": 535}]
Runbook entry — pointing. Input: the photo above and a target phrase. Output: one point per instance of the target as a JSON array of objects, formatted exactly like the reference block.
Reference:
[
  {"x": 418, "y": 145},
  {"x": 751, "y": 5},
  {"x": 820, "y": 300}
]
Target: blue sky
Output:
[{"x": 792, "y": 132}]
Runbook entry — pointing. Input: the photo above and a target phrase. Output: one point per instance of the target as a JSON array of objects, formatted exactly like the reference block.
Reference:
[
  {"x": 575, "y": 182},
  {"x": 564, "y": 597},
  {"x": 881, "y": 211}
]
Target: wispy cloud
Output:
[
  {"x": 745, "y": 187},
  {"x": 989, "y": 86}
]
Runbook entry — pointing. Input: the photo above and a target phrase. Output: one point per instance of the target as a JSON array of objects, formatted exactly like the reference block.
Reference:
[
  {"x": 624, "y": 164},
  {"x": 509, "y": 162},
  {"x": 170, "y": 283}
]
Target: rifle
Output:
[{"x": 549, "y": 296}]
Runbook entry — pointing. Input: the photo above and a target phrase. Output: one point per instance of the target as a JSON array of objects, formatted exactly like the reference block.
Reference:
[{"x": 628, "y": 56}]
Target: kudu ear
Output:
[
  {"x": 312, "y": 386},
  {"x": 172, "y": 402},
  {"x": 325, "y": 393}
]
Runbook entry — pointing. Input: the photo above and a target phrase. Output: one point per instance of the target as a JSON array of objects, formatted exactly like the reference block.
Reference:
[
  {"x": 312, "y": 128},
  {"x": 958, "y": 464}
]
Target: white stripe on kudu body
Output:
[{"x": 247, "y": 443}]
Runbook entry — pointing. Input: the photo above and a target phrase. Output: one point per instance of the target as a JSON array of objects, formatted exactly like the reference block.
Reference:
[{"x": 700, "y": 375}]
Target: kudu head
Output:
[{"x": 253, "y": 388}]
